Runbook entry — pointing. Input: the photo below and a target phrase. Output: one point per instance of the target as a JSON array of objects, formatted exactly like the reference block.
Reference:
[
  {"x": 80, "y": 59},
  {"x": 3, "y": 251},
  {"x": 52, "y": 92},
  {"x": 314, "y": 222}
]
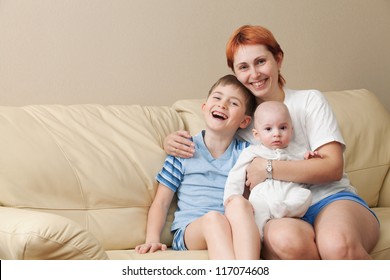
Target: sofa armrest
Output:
[{"x": 26, "y": 234}]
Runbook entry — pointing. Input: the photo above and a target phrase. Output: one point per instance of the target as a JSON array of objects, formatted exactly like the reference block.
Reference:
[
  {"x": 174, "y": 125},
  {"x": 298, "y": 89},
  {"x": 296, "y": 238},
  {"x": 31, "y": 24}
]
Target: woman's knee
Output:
[
  {"x": 346, "y": 230},
  {"x": 335, "y": 246}
]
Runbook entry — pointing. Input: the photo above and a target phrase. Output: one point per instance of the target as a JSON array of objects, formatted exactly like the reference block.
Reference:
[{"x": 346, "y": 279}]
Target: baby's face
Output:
[{"x": 273, "y": 128}]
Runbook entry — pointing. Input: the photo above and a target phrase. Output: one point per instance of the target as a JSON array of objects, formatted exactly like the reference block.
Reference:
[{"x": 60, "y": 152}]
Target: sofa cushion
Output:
[
  {"x": 382, "y": 248},
  {"x": 169, "y": 254},
  {"x": 93, "y": 164},
  {"x": 36, "y": 236}
]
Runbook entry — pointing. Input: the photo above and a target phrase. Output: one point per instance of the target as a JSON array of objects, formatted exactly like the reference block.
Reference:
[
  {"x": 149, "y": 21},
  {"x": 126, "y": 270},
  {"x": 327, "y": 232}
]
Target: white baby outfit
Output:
[{"x": 271, "y": 198}]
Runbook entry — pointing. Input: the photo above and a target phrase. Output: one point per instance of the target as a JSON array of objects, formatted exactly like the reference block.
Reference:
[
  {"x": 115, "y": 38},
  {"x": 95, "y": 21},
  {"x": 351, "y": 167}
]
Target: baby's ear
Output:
[{"x": 256, "y": 134}]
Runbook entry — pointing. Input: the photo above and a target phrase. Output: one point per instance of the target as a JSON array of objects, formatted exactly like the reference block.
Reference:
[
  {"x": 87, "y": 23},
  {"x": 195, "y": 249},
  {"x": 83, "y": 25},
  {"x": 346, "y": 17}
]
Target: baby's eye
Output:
[
  {"x": 284, "y": 127},
  {"x": 267, "y": 129}
]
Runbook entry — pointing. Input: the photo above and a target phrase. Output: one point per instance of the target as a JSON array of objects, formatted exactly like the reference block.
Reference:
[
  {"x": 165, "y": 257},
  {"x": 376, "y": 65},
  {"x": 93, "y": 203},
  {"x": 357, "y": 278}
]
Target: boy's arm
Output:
[{"x": 156, "y": 220}]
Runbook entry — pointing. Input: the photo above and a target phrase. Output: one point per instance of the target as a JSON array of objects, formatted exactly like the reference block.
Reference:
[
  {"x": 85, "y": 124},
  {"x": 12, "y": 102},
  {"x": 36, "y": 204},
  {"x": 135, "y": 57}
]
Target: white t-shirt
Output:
[{"x": 314, "y": 125}]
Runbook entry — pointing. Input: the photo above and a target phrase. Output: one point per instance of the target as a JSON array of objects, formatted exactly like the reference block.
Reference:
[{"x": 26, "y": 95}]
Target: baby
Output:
[{"x": 272, "y": 198}]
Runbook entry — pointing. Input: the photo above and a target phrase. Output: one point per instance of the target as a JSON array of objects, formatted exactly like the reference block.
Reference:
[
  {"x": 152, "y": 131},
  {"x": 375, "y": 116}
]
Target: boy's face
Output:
[
  {"x": 224, "y": 109},
  {"x": 273, "y": 128}
]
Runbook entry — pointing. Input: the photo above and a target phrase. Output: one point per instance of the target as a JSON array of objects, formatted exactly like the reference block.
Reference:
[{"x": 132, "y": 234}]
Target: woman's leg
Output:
[
  {"x": 246, "y": 235},
  {"x": 211, "y": 231},
  {"x": 289, "y": 239},
  {"x": 346, "y": 230}
]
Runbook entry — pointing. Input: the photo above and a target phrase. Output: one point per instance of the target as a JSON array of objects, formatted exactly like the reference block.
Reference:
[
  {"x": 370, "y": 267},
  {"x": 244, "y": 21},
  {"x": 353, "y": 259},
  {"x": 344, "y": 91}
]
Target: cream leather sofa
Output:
[{"x": 76, "y": 182}]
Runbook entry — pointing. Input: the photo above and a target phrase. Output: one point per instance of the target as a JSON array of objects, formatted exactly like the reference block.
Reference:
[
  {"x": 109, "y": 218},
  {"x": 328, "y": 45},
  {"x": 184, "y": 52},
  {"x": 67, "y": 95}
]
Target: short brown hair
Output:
[{"x": 231, "y": 80}]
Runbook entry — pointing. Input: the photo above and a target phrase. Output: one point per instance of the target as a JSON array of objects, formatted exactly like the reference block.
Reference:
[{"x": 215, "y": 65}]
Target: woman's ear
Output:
[{"x": 279, "y": 60}]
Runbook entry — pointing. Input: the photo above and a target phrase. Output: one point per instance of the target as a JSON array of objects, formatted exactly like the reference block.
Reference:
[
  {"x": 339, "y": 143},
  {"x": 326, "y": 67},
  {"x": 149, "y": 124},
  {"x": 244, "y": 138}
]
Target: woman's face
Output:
[{"x": 257, "y": 69}]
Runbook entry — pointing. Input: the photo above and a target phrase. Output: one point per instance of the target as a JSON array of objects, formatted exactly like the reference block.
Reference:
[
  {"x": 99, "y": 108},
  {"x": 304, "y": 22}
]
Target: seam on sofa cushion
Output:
[{"x": 42, "y": 124}]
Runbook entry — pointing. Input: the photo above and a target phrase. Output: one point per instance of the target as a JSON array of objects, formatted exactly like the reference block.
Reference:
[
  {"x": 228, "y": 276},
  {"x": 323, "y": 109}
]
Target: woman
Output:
[{"x": 339, "y": 224}]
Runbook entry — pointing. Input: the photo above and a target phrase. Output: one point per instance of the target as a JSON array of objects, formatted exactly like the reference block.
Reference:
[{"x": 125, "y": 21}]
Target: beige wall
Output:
[{"x": 155, "y": 52}]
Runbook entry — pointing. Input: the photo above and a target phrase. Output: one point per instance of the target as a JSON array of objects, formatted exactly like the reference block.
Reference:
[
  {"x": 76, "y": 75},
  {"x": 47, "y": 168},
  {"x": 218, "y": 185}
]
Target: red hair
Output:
[{"x": 253, "y": 35}]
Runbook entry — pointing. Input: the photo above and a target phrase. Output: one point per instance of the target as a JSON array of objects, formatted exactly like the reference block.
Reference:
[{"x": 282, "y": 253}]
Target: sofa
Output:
[{"x": 77, "y": 181}]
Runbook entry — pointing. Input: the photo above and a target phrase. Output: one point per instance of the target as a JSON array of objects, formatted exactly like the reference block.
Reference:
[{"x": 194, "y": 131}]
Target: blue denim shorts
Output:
[
  {"x": 178, "y": 240},
  {"x": 316, "y": 208}
]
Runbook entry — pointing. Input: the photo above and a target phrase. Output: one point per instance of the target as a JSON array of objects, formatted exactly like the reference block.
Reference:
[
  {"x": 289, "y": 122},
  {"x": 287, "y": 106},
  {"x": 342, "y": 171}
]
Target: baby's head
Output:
[{"x": 273, "y": 125}]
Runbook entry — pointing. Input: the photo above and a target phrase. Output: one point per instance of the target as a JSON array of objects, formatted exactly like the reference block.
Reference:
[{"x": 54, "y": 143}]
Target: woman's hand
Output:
[
  {"x": 150, "y": 247},
  {"x": 178, "y": 144},
  {"x": 256, "y": 172}
]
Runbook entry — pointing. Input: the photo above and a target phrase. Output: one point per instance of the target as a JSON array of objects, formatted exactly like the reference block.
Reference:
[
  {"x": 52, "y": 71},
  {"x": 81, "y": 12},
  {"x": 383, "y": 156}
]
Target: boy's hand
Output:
[{"x": 150, "y": 247}]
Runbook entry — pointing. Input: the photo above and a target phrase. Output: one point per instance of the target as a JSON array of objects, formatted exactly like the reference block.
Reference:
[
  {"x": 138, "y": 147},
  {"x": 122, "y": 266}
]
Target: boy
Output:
[{"x": 199, "y": 181}]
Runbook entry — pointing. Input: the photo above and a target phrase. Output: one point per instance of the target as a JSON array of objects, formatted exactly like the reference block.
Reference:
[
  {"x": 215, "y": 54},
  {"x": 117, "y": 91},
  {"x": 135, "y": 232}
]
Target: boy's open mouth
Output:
[{"x": 219, "y": 115}]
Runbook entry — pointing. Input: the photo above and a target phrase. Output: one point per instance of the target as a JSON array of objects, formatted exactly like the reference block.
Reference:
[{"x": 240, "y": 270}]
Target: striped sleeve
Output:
[
  {"x": 171, "y": 175},
  {"x": 242, "y": 144}
]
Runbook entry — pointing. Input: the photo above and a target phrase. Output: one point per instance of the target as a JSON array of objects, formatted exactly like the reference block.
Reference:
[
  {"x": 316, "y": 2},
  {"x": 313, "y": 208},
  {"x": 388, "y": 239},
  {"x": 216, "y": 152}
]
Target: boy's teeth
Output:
[{"x": 219, "y": 115}]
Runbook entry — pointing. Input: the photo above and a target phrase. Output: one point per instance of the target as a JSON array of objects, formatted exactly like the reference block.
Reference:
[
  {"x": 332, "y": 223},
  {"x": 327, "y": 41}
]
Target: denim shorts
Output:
[
  {"x": 316, "y": 208},
  {"x": 178, "y": 240}
]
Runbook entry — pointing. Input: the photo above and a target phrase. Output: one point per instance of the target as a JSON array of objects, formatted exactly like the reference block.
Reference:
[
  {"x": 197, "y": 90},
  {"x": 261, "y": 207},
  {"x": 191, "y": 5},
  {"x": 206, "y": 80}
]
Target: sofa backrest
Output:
[
  {"x": 365, "y": 125},
  {"x": 95, "y": 165}
]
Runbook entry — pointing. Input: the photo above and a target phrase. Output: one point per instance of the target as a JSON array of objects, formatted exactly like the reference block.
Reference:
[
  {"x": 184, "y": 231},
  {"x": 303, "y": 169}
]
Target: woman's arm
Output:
[
  {"x": 314, "y": 171},
  {"x": 178, "y": 144},
  {"x": 156, "y": 221}
]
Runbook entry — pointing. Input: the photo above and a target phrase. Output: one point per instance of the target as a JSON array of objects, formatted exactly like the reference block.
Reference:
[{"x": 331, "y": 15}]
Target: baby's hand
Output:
[
  {"x": 315, "y": 154},
  {"x": 150, "y": 247}
]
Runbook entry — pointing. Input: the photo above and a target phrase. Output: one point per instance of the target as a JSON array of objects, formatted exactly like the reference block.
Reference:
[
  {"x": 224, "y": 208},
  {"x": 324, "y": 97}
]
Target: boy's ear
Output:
[{"x": 246, "y": 121}]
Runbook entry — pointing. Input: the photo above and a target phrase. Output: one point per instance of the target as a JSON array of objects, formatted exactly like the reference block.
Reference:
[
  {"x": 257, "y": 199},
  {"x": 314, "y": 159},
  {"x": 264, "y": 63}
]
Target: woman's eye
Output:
[{"x": 261, "y": 61}]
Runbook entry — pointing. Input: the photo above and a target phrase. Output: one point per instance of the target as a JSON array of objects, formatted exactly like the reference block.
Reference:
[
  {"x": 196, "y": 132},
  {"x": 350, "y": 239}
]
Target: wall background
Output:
[{"x": 154, "y": 52}]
